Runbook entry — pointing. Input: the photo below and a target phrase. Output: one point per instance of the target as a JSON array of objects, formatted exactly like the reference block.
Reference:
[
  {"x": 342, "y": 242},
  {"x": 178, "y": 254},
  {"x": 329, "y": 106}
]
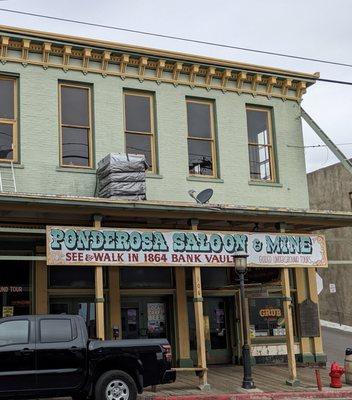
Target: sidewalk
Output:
[{"x": 225, "y": 382}]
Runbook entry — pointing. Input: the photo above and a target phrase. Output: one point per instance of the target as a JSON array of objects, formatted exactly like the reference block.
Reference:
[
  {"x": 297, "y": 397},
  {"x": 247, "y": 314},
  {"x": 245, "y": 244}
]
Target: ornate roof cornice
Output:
[{"x": 70, "y": 53}]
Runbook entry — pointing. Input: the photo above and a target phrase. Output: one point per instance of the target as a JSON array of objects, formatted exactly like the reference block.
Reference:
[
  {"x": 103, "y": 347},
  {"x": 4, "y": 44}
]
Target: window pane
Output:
[
  {"x": 145, "y": 277},
  {"x": 198, "y": 119},
  {"x": 7, "y": 93},
  {"x": 75, "y": 146},
  {"x": 14, "y": 332},
  {"x": 55, "y": 330},
  {"x": 200, "y": 159},
  {"x": 257, "y": 125},
  {"x": 266, "y": 317},
  {"x": 15, "y": 286},
  {"x": 6, "y": 140},
  {"x": 259, "y": 162},
  {"x": 74, "y": 106},
  {"x": 140, "y": 144},
  {"x": 72, "y": 277},
  {"x": 137, "y": 110}
]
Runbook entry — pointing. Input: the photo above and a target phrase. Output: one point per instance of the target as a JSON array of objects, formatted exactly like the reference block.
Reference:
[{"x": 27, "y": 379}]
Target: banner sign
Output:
[{"x": 90, "y": 246}]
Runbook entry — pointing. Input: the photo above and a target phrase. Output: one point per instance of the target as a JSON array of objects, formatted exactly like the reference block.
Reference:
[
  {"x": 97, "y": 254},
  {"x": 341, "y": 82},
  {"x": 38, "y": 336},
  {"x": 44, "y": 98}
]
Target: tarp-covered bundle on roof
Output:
[{"x": 122, "y": 176}]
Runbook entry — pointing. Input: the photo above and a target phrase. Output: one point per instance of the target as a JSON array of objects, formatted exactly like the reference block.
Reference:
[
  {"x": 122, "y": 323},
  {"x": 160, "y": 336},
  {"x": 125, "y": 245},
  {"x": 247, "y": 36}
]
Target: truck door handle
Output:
[
  {"x": 74, "y": 348},
  {"x": 26, "y": 352}
]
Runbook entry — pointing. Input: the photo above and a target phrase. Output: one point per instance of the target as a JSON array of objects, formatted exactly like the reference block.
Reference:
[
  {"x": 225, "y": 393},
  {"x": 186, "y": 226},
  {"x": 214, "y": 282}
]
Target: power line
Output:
[
  {"x": 214, "y": 44},
  {"x": 318, "y": 145}
]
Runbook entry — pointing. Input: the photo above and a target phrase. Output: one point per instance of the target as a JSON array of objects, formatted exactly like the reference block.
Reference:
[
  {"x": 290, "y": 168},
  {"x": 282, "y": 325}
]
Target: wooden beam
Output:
[
  {"x": 41, "y": 287},
  {"x": 99, "y": 293},
  {"x": 290, "y": 342},
  {"x": 301, "y": 285},
  {"x": 182, "y": 319},
  {"x": 115, "y": 300},
  {"x": 313, "y": 293},
  {"x": 199, "y": 319}
]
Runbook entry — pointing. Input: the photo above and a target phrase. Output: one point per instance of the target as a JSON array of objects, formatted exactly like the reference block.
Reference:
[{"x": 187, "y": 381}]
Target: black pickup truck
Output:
[{"x": 51, "y": 355}]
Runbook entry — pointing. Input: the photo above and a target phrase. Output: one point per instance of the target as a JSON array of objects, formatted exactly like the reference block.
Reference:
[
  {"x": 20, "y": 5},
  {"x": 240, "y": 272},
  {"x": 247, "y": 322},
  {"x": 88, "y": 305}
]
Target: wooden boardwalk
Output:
[{"x": 228, "y": 379}]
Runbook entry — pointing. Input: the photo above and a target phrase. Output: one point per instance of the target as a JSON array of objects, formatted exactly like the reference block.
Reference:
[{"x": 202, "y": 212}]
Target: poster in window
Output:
[
  {"x": 267, "y": 316},
  {"x": 7, "y": 311},
  {"x": 156, "y": 317},
  {"x": 132, "y": 316}
]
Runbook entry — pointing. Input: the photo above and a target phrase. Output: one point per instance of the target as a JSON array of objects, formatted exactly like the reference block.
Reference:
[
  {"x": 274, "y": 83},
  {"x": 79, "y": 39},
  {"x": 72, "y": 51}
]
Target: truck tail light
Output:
[{"x": 167, "y": 352}]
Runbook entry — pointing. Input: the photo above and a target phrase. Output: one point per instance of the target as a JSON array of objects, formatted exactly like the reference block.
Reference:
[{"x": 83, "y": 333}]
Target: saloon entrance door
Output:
[
  {"x": 147, "y": 317},
  {"x": 217, "y": 323}
]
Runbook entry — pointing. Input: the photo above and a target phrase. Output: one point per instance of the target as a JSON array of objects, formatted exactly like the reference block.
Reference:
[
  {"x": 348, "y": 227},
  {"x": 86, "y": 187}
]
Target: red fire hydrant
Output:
[{"x": 335, "y": 374}]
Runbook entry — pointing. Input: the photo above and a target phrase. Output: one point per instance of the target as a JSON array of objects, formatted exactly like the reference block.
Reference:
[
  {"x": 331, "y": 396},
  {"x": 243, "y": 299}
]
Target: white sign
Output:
[
  {"x": 89, "y": 246},
  {"x": 332, "y": 288}
]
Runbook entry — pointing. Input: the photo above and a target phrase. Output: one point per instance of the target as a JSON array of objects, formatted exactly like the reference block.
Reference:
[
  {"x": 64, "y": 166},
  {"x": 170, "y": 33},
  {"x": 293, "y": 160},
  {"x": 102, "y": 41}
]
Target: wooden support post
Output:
[
  {"x": 313, "y": 294},
  {"x": 199, "y": 319},
  {"x": 182, "y": 319},
  {"x": 285, "y": 281},
  {"x": 99, "y": 293},
  {"x": 302, "y": 294},
  {"x": 41, "y": 287},
  {"x": 115, "y": 301}
]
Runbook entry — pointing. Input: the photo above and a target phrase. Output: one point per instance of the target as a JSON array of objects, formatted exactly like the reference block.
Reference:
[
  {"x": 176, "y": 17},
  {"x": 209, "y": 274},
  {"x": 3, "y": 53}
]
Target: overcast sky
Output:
[{"x": 315, "y": 28}]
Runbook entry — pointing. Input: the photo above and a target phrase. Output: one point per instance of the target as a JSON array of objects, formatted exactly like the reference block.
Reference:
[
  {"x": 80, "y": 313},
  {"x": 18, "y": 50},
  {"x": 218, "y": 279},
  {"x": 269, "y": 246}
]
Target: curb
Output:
[{"x": 346, "y": 394}]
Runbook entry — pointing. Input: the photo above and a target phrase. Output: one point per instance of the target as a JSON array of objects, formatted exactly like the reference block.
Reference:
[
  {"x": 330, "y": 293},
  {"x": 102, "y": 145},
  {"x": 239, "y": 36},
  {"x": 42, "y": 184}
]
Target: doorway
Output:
[
  {"x": 83, "y": 306},
  {"x": 147, "y": 317},
  {"x": 217, "y": 322}
]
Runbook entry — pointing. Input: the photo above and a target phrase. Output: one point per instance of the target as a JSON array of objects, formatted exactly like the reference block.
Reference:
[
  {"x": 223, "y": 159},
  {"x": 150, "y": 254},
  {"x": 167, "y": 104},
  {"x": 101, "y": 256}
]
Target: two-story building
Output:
[{"x": 67, "y": 102}]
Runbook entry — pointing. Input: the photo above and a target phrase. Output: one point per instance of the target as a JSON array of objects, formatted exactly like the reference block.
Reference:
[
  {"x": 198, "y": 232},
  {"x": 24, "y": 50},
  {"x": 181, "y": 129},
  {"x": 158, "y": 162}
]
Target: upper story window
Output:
[
  {"x": 260, "y": 144},
  {"x": 139, "y": 126},
  {"x": 8, "y": 119},
  {"x": 75, "y": 126},
  {"x": 201, "y": 138}
]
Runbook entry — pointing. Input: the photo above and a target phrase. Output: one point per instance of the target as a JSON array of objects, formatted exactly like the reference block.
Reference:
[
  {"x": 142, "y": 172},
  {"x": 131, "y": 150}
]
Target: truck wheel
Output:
[{"x": 115, "y": 385}]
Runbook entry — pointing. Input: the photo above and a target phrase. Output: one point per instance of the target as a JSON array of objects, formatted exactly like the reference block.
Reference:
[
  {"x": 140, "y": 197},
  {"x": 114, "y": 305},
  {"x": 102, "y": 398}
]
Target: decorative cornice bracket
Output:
[
  {"x": 66, "y": 57},
  {"x": 226, "y": 75},
  {"x": 300, "y": 89},
  {"x": 46, "y": 54},
  {"x": 270, "y": 85},
  {"x": 105, "y": 62},
  {"x": 240, "y": 78},
  {"x": 4, "y": 46},
  {"x": 25, "y": 51},
  {"x": 257, "y": 78},
  {"x": 176, "y": 72},
  {"x": 193, "y": 74},
  {"x": 159, "y": 70},
  {"x": 286, "y": 84},
  {"x": 87, "y": 54},
  {"x": 211, "y": 71},
  {"x": 124, "y": 60},
  {"x": 143, "y": 62}
]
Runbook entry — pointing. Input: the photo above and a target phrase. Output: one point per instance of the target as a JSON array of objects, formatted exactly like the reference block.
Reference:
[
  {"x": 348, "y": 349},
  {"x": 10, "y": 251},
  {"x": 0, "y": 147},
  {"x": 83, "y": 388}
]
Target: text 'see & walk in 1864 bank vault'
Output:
[{"x": 158, "y": 264}]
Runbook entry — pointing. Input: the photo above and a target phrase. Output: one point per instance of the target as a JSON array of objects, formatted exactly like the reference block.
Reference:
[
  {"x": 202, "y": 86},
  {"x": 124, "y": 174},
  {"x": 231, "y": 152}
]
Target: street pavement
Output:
[{"x": 335, "y": 343}]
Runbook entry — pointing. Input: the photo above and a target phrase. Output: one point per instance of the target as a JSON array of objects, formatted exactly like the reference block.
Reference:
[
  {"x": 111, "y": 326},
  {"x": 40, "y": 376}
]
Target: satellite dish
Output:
[{"x": 202, "y": 197}]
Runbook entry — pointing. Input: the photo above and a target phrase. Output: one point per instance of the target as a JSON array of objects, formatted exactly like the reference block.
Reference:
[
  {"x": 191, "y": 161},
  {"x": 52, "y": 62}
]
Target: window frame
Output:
[
  {"x": 151, "y": 134},
  {"x": 73, "y": 330},
  {"x": 28, "y": 331},
  {"x": 13, "y": 122},
  {"x": 270, "y": 146},
  {"x": 89, "y": 128},
  {"x": 212, "y": 139}
]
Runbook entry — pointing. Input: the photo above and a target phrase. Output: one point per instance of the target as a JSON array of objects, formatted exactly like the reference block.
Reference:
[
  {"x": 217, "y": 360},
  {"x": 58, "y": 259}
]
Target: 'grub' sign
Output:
[{"x": 90, "y": 246}]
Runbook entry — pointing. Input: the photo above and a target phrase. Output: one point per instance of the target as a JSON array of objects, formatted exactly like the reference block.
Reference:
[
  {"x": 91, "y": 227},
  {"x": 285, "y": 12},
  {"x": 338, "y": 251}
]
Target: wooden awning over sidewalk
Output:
[{"x": 38, "y": 209}]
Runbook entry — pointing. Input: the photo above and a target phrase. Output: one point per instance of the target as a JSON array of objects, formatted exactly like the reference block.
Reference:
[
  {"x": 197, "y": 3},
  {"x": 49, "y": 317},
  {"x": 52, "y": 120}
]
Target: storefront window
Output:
[
  {"x": 133, "y": 278},
  {"x": 266, "y": 316},
  {"x": 73, "y": 277},
  {"x": 212, "y": 278},
  {"x": 15, "y": 288}
]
